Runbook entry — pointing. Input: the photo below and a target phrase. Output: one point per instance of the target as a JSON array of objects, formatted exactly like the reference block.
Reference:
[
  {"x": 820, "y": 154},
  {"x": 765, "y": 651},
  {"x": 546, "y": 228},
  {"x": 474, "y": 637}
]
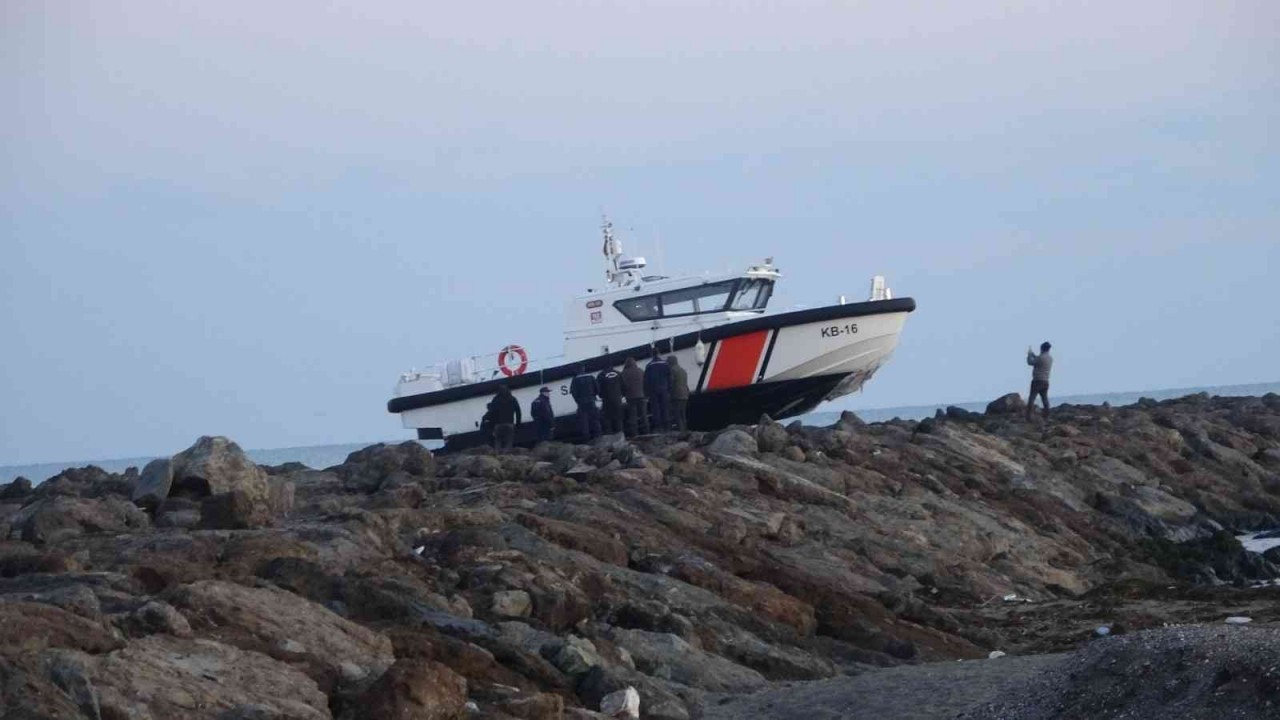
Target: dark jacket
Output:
[
  {"x": 584, "y": 389},
  {"x": 679, "y": 379},
  {"x": 657, "y": 378},
  {"x": 610, "y": 382},
  {"x": 504, "y": 409},
  {"x": 632, "y": 380},
  {"x": 541, "y": 410}
]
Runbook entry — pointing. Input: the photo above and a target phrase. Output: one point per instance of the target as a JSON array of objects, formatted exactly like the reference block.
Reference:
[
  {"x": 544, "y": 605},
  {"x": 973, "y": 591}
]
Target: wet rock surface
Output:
[{"x": 700, "y": 569}]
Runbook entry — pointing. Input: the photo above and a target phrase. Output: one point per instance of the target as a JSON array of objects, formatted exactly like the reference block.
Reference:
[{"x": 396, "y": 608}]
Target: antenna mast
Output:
[
  {"x": 612, "y": 251},
  {"x": 619, "y": 269}
]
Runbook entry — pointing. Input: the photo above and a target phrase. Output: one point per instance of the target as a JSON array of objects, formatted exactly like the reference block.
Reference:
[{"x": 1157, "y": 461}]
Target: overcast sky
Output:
[{"x": 248, "y": 218}]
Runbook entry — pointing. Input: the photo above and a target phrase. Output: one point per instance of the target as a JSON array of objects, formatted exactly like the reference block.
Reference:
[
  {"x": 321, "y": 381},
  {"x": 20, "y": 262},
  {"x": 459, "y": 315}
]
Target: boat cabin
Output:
[{"x": 651, "y": 309}]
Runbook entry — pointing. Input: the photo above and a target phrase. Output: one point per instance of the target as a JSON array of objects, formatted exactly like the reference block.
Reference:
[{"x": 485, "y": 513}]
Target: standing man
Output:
[
  {"x": 544, "y": 418},
  {"x": 637, "y": 404},
  {"x": 1041, "y": 365},
  {"x": 506, "y": 416},
  {"x": 584, "y": 391},
  {"x": 610, "y": 382},
  {"x": 657, "y": 387},
  {"x": 679, "y": 393}
]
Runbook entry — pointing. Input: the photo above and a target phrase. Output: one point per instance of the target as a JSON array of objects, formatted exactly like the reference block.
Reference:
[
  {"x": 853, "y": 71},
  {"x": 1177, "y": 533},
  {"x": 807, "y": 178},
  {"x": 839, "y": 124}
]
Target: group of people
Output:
[{"x": 631, "y": 401}]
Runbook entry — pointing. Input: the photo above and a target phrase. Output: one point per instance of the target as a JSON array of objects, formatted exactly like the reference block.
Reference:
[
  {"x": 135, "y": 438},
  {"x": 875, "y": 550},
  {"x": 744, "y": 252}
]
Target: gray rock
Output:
[
  {"x": 68, "y": 670},
  {"x": 235, "y": 510},
  {"x": 577, "y": 656},
  {"x": 622, "y": 704},
  {"x": 1010, "y": 404},
  {"x": 366, "y": 469},
  {"x": 280, "y": 496},
  {"x": 849, "y": 422},
  {"x": 512, "y": 603},
  {"x": 733, "y": 442},
  {"x": 666, "y": 656},
  {"x": 53, "y": 519},
  {"x": 579, "y": 472},
  {"x": 157, "y": 617},
  {"x": 770, "y": 436},
  {"x": 216, "y": 465},
  {"x": 234, "y": 490},
  {"x": 656, "y": 702},
  {"x": 16, "y": 490},
  {"x": 793, "y": 453},
  {"x": 153, "y": 486}
]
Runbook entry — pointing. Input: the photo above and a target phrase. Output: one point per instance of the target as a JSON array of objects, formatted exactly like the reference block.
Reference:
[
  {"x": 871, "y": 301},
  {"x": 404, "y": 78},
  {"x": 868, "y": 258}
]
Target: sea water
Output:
[{"x": 323, "y": 456}]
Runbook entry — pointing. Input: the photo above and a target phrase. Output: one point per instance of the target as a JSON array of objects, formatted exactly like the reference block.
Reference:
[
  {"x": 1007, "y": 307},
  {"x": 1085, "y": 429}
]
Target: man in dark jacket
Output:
[
  {"x": 679, "y": 393},
  {"x": 610, "y": 383},
  {"x": 657, "y": 387},
  {"x": 544, "y": 418},
  {"x": 637, "y": 405},
  {"x": 584, "y": 391},
  {"x": 505, "y": 414}
]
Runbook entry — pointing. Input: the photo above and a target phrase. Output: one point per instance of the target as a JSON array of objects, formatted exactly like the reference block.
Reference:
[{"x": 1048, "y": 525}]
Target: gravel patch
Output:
[
  {"x": 914, "y": 692},
  {"x": 1196, "y": 672}
]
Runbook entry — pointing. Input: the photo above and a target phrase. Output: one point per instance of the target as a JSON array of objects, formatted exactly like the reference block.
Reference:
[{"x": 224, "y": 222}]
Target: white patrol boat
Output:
[{"x": 742, "y": 360}]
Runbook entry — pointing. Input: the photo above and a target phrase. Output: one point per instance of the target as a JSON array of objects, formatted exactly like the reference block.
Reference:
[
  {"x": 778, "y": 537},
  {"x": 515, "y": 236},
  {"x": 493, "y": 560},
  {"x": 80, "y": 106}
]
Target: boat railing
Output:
[{"x": 511, "y": 362}]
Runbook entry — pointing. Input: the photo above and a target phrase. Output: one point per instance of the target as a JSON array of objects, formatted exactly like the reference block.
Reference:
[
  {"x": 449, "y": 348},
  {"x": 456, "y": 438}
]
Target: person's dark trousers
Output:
[
  {"x": 660, "y": 409},
  {"x": 679, "y": 408},
  {"x": 637, "y": 417},
  {"x": 612, "y": 419},
  {"x": 545, "y": 430},
  {"x": 589, "y": 420},
  {"x": 1041, "y": 388},
  {"x": 504, "y": 436}
]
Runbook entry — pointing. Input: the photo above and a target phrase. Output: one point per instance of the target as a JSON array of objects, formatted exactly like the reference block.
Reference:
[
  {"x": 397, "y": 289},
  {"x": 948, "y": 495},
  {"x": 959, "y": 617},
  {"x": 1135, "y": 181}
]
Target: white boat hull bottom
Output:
[{"x": 782, "y": 371}]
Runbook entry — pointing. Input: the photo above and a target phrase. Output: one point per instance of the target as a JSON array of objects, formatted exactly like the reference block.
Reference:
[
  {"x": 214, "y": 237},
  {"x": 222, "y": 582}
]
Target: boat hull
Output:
[{"x": 781, "y": 365}]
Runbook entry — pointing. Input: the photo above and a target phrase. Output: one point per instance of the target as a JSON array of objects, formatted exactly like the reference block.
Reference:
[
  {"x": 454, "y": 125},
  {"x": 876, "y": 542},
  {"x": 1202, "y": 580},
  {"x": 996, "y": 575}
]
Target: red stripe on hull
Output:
[{"x": 737, "y": 361}]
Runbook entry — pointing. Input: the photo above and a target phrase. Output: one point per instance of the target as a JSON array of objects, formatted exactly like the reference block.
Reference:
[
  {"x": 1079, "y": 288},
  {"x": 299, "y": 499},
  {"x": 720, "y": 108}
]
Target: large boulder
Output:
[
  {"x": 770, "y": 436},
  {"x": 153, "y": 486},
  {"x": 234, "y": 490},
  {"x": 366, "y": 469},
  {"x": 215, "y": 465},
  {"x": 35, "y": 626},
  {"x": 668, "y": 656},
  {"x": 166, "y": 677},
  {"x": 1010, "y": 404},
  {"x": 415, "y": 690},
  {"x": 734, "y": 442},
  {"x": 19, "y": 489},
  {"x": 56, "y": 518},
  {"x": 334, "y": 651}
]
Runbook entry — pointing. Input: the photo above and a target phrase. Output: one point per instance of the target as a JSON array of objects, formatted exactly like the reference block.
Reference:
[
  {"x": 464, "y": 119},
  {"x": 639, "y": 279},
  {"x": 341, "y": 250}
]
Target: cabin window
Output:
[
  {"x": 701, "y": 299},
  {"x": 753, "y": 295},
  {"x": 640, "y": 308},
  {"x": 712, "y": 297}
]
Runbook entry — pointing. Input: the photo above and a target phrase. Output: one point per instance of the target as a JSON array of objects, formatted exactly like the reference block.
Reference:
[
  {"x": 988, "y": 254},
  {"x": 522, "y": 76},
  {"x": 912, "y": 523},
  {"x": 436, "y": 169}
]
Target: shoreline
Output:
[{"x": 337, "y": 452}]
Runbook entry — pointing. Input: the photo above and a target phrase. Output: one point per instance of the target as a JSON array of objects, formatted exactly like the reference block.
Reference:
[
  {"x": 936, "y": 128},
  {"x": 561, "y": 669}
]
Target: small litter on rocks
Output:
[
  {"x": 1239, "y": 620},
  {"x": 996, "y": 655}
]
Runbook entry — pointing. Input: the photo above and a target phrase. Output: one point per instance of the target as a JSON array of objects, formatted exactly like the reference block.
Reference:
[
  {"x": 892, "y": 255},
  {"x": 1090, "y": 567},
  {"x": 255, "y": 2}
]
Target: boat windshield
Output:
[
  {"x": 752, "y": 295},
  {"x": 708, "y": 298}
]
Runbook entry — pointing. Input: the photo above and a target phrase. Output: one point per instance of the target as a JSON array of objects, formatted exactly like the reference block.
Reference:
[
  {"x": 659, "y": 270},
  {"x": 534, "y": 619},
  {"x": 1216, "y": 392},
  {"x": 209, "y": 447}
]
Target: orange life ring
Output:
[{"x": 506, "y": 353}]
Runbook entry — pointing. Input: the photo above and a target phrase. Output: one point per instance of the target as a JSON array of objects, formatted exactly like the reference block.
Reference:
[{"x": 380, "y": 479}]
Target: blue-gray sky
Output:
[{"x": 248, "y": 218}]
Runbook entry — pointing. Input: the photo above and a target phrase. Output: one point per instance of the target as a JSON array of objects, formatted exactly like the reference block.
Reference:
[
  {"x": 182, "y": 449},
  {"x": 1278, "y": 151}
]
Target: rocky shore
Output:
[{"x": 700, "y": 570}]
